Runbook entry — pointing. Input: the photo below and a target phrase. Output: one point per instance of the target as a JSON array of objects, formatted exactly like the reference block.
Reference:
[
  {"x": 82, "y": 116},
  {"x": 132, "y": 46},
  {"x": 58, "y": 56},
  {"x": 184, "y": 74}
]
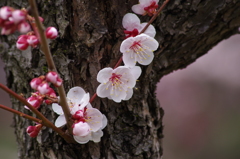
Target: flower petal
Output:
[
  {"x": 138, "y": 9},
  {"x": 131, "y": 21},
  {"x": 94, "y": 119},
  {"x": 84, "y": 101},
  {"x": 136, "y": 71},
  {"x": 96, "y": 136},
  {"x": 60, "y": 121},
  {"x": 104, "y": 121},
  {"x": 57, "y": 108},
  {"x": 82, "y": 139},
  {"x": 75, "y": 94},
  {"x": 103, "y": 90},
  {"x": 104, "y": 75},
  {"x": 129, "y": 94},
  {"x": 150, "y": 31}
]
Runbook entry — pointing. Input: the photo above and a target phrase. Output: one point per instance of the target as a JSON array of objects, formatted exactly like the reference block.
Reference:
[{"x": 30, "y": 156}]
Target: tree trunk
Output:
[{"x": 90, "y": 35}]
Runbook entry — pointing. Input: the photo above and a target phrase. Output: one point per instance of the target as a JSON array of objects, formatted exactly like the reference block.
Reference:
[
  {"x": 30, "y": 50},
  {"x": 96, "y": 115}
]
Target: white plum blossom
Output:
[
  {"x": 117, "y": 84},
  {"x": 133, "y": 26},
  {"x": 138, "y": 49},
  {"x": 88, "y": 121},
  {"x": 145, "y": 7},
  {"x": 77, "y": 99}
]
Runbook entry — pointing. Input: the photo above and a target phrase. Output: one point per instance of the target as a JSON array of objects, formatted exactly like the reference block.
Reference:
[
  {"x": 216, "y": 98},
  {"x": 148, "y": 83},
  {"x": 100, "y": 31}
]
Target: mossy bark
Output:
[{"x": 90, "y": 33}]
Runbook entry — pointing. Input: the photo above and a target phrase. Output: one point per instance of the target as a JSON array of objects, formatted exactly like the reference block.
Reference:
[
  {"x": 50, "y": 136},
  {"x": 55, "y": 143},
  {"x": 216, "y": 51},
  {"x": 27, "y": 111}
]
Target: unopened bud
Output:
[
  {"x": 22, "y": 43},
  {"x": 18, "y": 16},
  {"x": 51, "y": 33},
  {"x": 24, "y": 27},
  {"x": 5, "y": 12}
]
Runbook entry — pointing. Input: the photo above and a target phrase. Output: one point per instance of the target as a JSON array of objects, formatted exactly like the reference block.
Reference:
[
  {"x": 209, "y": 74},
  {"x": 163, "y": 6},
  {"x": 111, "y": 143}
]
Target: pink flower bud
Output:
[
  {"x": 33, "y": 130},
  {"x": 51, "y": 93},
  {"x": 81, "y": 129},
  {"x": 8, "y": 28},
  {"x": 22, "y": 43},
  {"x": 51, "y": 33},
  {"x": 5, "y": 12},
  {"x": 32, "y": 40},
  {"x": 35, "y": 101},
  {"x": 18, "y": 16},
  {"x": 23, "y": 27},
  {"x": 54, "y": 78},
  {"x": 43, "y": 88},
  {"x": 36, "y": 82}
]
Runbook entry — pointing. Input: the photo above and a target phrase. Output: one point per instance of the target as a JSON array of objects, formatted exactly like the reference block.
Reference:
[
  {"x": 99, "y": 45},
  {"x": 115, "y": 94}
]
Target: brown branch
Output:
[{"x": 51, "y": 65}]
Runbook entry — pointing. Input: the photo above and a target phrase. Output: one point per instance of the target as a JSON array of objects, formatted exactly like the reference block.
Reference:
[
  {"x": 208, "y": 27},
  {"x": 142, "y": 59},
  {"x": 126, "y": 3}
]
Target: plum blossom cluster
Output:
[
  {"x": 30, "y": 39},
  {"x": 12, "y": 20},
  {"x": 117, "y": 84},
  {"x": 88, "y": 121},
  {"x": 44, "y": 93}
]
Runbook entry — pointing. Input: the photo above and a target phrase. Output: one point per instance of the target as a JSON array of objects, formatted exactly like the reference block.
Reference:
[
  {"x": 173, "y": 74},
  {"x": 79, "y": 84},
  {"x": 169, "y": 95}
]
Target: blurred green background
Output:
[{"x": 201, "y": 103}]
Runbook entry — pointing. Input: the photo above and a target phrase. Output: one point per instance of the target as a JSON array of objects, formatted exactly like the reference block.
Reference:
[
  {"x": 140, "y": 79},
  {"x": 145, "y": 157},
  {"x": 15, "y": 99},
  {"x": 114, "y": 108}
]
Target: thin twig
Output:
[
  {"x": 20, "y": 114},
  {"x": 51, "y": 65}
]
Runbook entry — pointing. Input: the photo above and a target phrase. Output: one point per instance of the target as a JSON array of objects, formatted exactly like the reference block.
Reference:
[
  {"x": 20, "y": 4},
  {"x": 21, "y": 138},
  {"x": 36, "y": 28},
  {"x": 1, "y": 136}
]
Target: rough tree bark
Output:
[{"x": 90, "y": 36}]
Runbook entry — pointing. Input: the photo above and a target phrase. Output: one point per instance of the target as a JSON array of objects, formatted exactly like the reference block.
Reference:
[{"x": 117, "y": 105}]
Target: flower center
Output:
[
  {"x": 151, "y": 9},
  {"x": 132, "y": 33},
  {"x": 135, "y": 46},
  {"x": 115, "y": 79}
]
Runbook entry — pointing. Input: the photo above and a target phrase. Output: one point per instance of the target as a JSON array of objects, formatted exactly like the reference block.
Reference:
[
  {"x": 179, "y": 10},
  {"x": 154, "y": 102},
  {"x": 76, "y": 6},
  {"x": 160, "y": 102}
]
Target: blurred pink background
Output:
[{"x": 201, "y": 103}]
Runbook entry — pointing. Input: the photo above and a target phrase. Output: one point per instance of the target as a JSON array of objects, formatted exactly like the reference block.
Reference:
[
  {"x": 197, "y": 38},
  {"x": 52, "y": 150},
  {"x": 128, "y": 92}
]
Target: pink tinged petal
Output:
[
  {"x": 82, "y": 139},
  {"x": 57, "y": 109},
  {"x": 129, "y": 93},
  {"x": 138, "y": 9},
  {"x": 96, "y": 136},
  {"x": 60, "y": 121},
  {"x": 94, "y": 119},
  {"x": 150, "y": 31},
  {"x": 103, "y": 90},
  {"x": 131, "y": 21},
  {"x": 81, "y": 129},
  {"x": 104, "y": 121},
  {"x": 136, "y": 71},
  {"x": 104, "y": 75},
  {"x": 126, "y": 44}
]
